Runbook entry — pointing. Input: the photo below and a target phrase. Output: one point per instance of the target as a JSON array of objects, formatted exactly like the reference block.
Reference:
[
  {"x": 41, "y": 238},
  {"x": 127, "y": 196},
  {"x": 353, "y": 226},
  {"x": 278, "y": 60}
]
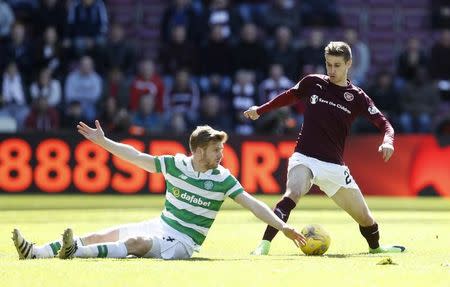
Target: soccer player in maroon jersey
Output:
[{"x": 333, "y": 103}]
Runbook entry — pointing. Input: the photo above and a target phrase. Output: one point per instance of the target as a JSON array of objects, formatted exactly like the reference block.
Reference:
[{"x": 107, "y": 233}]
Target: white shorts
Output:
[
  {"x": 166, "y": 244},
  {"x": 329, "y": 177}
]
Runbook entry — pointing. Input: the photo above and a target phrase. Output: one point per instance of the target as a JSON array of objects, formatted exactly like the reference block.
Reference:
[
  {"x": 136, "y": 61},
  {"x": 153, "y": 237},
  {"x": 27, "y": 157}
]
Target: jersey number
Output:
[{"x": 347, "y": 177}]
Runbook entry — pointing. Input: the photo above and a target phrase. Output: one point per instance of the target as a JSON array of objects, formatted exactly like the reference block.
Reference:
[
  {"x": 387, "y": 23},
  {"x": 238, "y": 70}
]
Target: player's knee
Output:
[
  {"x": 138, "y": 246},
  {"x": 297, "y": 188}
]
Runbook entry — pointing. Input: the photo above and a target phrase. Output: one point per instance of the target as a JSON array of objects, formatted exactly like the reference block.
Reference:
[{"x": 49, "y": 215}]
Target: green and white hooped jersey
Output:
[{"x": 193, "y": 198}]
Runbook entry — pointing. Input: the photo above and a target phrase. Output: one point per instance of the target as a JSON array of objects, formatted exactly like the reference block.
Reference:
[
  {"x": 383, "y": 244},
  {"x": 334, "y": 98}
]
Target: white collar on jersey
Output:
[{"x": 190, "y": 168}]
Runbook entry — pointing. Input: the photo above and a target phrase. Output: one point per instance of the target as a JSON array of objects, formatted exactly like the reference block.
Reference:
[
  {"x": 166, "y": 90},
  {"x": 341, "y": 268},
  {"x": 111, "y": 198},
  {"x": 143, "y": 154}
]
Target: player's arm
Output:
[
  {"x": 263, "y": 212},
  {"x": 286, "y": 98},
  {"x": 379, "y": 120},
  {"x": 123, "y": 151}
]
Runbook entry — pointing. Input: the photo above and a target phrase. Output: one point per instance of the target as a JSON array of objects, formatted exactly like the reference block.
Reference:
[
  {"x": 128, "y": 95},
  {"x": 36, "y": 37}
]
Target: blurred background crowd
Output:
[{"x": 154, "y": 66}]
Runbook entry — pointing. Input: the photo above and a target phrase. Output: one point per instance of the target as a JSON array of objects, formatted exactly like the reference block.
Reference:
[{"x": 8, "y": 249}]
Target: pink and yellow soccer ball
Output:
[{"x": 317, "y": 240}]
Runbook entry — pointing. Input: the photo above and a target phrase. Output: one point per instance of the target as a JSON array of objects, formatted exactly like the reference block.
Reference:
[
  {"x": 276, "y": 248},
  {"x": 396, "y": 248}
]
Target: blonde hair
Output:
[
  {"x": 339, "y": 49},
  {"x": 202, "y": 136}
]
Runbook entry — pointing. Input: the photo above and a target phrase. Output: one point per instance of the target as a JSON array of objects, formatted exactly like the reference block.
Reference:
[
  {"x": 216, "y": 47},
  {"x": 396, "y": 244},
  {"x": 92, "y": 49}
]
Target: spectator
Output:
[
  {"x": 440, "y": 60},
  {"x": 119, "y": 52},
  {"x": 275, "y": 84},
  {"x": 440, "y": 14},
  {"x": 183, "y": 97},
  {"x": 6, "y": 20},
  {"x": 249, "y": 53},
  {"x": 87, "y": 25},
  {"x": 275, "y": 122},
  {"x": 46, "y": 87},
  {"x": 147, "y": 118},
  {"x": 217, "y": 84},
  {"x": 147, "y": 82},
  {"x": 84, "y": 85},
  {"x": 221, "y": 14},
  {"x": 216, "y": 54},
  {"x": 19, "y": 50},
  {"x": 281, "y": 13},
  {"x": 386, "y": 97},
  {"x": 117, "y": 87},
  {"x": 440, "y": 64},
  {"x": 12, "y": 98},
  {"x": 251, "y": 10},
  {"x": 43, "y": 117},
  {"x": 243, "y": 95},
  {"x": 419, "y": 102},
  {"x": 212, "y": 112},
  {"x": 178, "y": 53},
  {"x": 73, "y": 115},
  {"x": 178, "y": 124},
  {"x": 410, "y": 60},
  {"x": 49, "y": 53},
  {"x": 181, "y": 13},
  {"x": 51, "y": 13},
  {"x": 284, "y": 52},
  {"x": 311, "y": 55},
  {"x": 24, "y": 10},
  {"x": 113, "y": 117},
  {"x": 360, "y": 57},
  {"x": 320, "y": 13}
]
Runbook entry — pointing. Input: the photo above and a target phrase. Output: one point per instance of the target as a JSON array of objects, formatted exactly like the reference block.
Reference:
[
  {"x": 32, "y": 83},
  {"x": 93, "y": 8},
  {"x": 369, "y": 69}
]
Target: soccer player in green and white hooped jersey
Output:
[{"x": 196, "y": 187}]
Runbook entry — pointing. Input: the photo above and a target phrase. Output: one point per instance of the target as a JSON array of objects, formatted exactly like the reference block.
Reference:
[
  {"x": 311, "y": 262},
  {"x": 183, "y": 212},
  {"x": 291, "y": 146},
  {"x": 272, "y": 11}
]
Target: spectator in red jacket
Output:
[{"x": 147, "y": 82}]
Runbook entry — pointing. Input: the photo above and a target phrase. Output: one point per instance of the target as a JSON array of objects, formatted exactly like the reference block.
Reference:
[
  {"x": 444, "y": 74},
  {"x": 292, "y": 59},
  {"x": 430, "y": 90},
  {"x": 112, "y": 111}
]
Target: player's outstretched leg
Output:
[
  {"x": 24, "y": 247},
  {"x": 282, "y": 210},
  {"x": 71, "y": 249},
  {"x": 352, "y": 201},
  {"x": 298, "y": 184},
  {"x": 48, "y": 250},
  {"x": 371, "y": 234}
]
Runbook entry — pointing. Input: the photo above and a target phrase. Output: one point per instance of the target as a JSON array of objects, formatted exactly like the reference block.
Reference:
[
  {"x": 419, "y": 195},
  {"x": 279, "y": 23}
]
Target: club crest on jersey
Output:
[
  {"x": 348, "y": 96},
  {"x": 208, "y": 185},
  {"x": 373, "y": 110},
  {"x": 314, "y": 99},
  {"x": 176, "y": 191}
]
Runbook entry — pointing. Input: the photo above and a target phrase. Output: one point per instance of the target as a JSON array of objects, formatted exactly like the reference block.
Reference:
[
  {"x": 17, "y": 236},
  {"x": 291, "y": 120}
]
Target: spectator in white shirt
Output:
[
  {"x": 85, "y": 86},
  {"x": 46, "y": 87}
]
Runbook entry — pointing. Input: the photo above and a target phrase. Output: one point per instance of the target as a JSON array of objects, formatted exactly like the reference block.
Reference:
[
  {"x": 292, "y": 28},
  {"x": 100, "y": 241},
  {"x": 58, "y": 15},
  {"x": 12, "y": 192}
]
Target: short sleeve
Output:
[
  {"x": 235, "y": 189},
  {"x": 160, "y": 162}
]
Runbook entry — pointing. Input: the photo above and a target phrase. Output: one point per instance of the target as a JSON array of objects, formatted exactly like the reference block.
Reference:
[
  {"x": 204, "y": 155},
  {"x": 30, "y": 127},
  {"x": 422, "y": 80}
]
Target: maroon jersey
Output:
[{"x": 329, "y": 114}]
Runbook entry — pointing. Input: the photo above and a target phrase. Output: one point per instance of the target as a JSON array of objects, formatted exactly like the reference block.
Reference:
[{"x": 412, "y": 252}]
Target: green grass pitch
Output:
[{"x": 422, "y": 225}]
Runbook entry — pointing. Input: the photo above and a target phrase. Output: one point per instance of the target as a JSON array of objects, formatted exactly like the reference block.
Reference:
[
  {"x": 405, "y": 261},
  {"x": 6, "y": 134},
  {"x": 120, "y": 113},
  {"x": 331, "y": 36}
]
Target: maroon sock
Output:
[
  {"x": 282, "y": 210},
  {"x": 371, "y": 234}
]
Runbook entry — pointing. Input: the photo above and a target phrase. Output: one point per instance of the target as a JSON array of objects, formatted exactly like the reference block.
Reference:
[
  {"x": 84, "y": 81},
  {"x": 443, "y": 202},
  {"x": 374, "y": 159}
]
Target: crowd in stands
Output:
[{"x": 62, "y": 62}]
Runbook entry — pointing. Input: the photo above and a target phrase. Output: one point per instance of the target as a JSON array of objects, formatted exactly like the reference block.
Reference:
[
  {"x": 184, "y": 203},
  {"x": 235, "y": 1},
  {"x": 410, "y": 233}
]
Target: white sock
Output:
[
  {"x": 51, "y": 249},
  {"x": 109, "y": 250}
]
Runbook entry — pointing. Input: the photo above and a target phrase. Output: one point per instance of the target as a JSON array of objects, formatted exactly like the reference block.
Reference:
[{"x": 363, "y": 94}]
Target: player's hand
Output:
[
  {"x": 95, "y": 135},
  {"x": 292, "y": 234},
  {"x": 386, "y": 150},
  {"x": 251, "y": 113}
]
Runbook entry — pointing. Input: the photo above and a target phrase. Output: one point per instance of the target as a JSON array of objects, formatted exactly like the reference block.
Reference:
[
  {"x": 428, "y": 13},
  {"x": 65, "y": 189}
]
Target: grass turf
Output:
[{"x": 422, "y": 225}]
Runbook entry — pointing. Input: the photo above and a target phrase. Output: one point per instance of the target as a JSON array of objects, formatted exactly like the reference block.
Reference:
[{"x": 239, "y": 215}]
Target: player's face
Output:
[
  {"x": 212, "y": 155},
  {"x": 337, "y": 69}
]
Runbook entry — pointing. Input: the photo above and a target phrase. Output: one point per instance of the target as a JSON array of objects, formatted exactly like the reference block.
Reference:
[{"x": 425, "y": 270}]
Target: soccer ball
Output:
[{"x": 317, "y": 240}]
